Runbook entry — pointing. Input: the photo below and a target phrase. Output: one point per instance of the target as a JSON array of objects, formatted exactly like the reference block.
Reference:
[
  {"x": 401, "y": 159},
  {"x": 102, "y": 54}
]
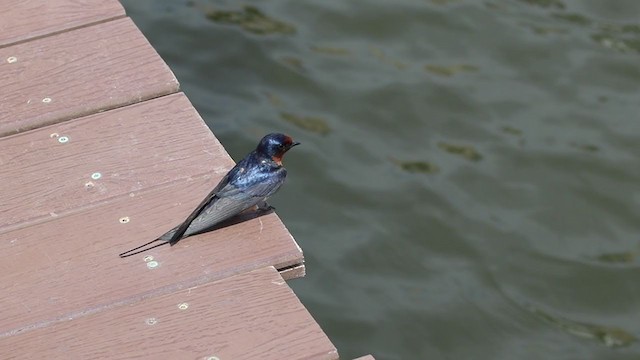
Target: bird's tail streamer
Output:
[{"x": 143, "y": 248}]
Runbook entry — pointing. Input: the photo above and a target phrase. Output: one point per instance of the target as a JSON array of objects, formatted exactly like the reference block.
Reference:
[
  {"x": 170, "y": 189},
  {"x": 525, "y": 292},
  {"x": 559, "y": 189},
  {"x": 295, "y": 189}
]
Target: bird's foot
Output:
[{"x": 264, "y": 207}]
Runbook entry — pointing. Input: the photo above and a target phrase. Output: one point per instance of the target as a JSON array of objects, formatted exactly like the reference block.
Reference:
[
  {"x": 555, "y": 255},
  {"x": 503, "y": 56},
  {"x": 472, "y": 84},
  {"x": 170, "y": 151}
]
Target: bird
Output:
[{"x": 247, "y": 185}]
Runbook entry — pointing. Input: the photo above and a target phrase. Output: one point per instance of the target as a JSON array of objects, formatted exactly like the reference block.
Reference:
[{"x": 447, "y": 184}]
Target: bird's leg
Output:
[{"x": 262, "y": 206}]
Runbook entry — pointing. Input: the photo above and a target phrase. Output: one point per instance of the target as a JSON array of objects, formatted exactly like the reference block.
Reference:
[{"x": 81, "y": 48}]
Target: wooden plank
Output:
[
  {"x": 292, "y": 272},
  {"x": 72, "y": 233},
  {"x": 26, "y": 19},
  {"x": 250, "y": 316},
  {"x": 70, "y": 266},
  {"x": 135, "y": 147},
  {"x": 77, "y": 73}
]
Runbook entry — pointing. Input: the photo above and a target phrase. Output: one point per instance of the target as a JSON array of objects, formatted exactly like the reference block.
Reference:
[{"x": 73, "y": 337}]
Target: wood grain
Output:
[
  {"x": 132, "y": 148},
  {"x": 249, "y": 316},
  {"x": 27, "y": 19},
  {"x": 77, "y": 73}
]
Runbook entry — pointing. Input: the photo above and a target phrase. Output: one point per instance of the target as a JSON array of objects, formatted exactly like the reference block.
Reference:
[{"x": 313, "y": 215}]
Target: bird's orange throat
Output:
[{"x": 278, "y": 159}]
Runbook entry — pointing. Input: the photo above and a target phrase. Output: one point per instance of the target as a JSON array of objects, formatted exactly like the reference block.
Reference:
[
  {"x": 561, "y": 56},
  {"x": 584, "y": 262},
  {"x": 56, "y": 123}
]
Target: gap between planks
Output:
[{"x": 62, "y": 31}]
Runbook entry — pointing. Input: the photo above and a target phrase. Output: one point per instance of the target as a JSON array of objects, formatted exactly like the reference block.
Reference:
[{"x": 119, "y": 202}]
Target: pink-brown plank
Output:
[
  {"x": 249, "y": 316},
  {"x": 156, "y": 160},
  {"x": 77, "y": 73},
  {"x": 292, "y": 272},
  {"x": 70, "y": 266},
  {"x": 26, "y": 19},
  {"x": 131, "y": 148}
]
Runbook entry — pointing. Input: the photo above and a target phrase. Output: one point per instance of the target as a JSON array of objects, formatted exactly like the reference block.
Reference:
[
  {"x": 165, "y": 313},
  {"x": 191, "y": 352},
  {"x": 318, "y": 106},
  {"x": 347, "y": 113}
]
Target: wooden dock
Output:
[{"x": 100, "y": 152}]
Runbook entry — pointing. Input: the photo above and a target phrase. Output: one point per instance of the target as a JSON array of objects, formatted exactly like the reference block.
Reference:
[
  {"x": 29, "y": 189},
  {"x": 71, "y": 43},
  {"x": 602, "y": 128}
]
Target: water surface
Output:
[{"x": 467, "y": 187}]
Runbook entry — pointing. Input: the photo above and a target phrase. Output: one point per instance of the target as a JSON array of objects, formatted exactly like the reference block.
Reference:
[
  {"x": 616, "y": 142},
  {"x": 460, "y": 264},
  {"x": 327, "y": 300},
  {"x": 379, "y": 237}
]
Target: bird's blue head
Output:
[{"x": 275, "y": 145}]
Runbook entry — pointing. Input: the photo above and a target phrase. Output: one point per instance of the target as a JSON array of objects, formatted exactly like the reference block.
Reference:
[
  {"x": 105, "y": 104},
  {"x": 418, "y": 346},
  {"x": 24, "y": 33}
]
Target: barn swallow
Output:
[{"x": 247, "y": 185}]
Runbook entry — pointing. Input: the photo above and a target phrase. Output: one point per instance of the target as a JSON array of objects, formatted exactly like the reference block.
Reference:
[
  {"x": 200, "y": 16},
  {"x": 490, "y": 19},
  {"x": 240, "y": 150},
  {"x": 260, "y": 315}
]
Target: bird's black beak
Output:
[{"x": 294, "y": 144}]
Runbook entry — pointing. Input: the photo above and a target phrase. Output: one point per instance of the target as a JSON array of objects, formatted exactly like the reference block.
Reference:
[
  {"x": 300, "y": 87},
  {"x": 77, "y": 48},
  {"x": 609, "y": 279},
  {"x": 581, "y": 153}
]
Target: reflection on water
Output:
[
  {"x": 468, "y": 181},
  {"x": 609, "y": 336},
  {"x": 308, "y": 123},
  {"x": 252, "y": 20}
]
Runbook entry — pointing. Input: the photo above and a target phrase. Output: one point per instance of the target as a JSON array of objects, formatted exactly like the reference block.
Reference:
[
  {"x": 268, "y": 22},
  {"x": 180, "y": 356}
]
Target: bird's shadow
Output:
[{"x": 242, "y": 217}]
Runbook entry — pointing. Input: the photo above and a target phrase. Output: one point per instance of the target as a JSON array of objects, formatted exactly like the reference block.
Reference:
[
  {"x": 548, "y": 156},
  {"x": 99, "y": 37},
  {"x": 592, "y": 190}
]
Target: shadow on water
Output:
[{"x": 468, "y": 184}]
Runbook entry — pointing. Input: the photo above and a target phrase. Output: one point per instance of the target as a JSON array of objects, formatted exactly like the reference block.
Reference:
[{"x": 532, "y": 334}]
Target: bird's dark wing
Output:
[
  {"x": 260, "y": 188},
  {"x": 177, "y": 235},
  {"x": 226, "y": 203},
  {"x": 228, "y": 199}
]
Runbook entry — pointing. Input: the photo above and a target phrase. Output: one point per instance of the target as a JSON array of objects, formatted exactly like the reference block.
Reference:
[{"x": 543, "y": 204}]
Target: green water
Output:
[{"x": 468, "y": 184}]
